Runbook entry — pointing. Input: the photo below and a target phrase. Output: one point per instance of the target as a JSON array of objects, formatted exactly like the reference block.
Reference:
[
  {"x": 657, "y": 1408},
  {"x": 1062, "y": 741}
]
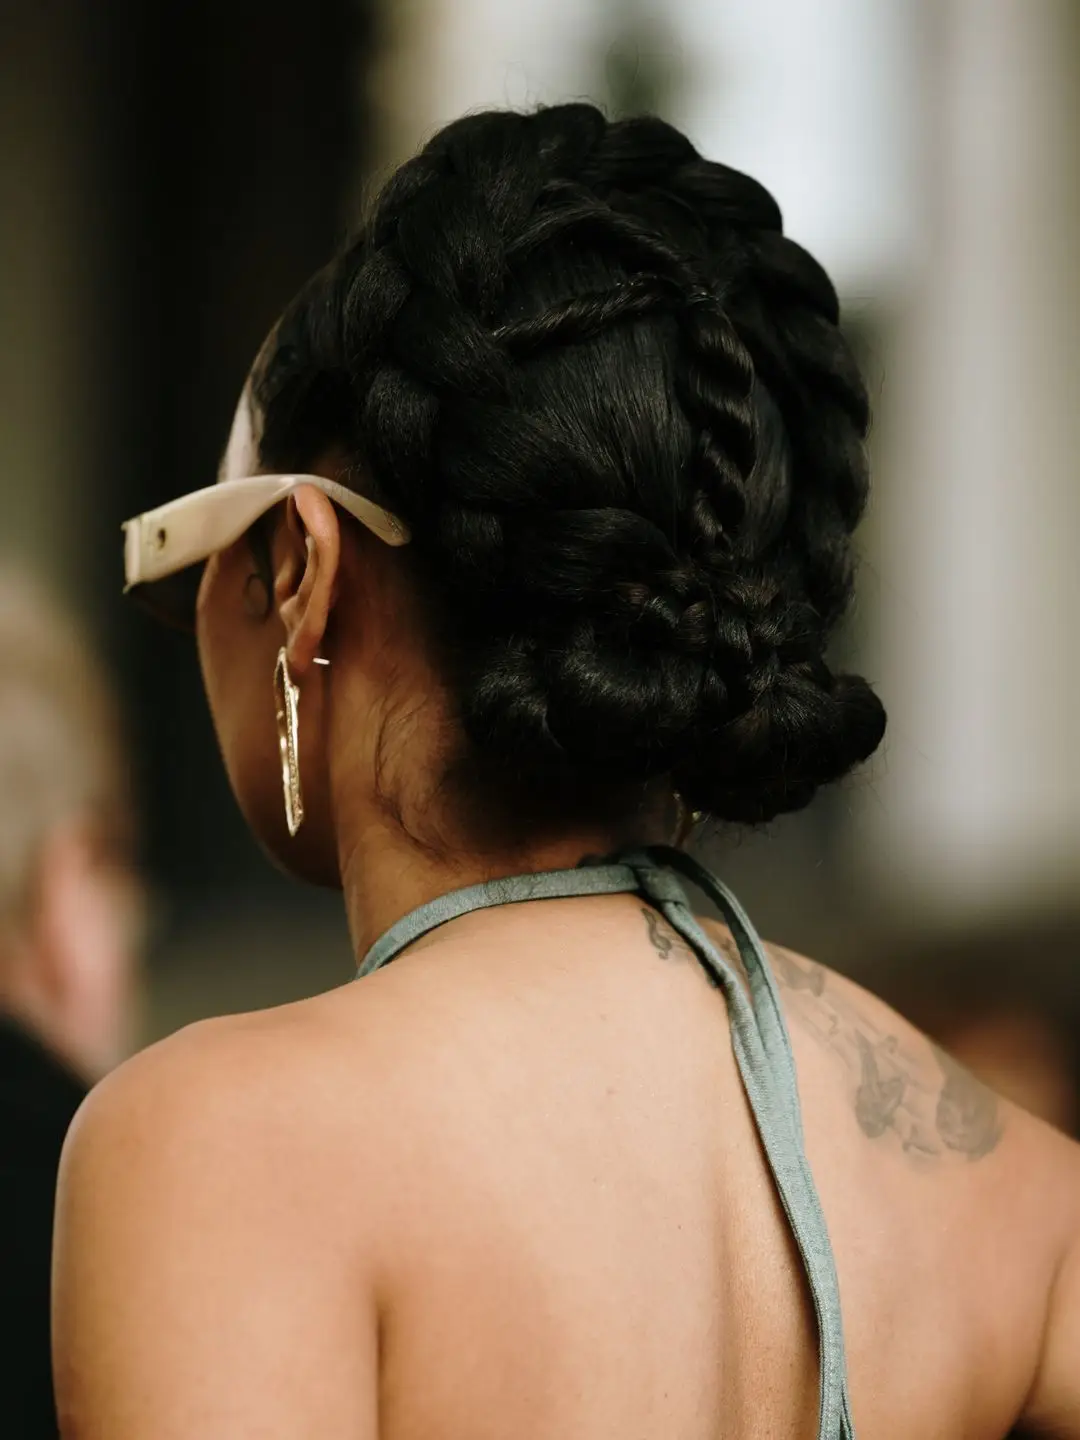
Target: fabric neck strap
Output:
[{"x": 760, "y": 1042}]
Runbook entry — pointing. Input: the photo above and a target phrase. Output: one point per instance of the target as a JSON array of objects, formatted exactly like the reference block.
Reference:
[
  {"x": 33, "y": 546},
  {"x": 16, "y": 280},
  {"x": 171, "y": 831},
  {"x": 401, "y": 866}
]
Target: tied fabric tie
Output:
[{"x": 760, "y": 1042}]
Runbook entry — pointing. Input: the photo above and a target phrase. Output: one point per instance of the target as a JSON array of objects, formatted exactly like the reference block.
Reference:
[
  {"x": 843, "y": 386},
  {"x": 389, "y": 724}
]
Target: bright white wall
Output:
[
  {"x": 819, "y": 101},
  {"x": 813, "y": 97},
  {"x": 978, "y": 517}
]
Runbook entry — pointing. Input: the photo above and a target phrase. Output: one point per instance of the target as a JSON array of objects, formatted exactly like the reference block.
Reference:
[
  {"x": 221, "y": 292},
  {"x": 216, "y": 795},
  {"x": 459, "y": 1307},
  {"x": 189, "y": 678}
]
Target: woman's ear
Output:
[{"x": 306, "y": 573}]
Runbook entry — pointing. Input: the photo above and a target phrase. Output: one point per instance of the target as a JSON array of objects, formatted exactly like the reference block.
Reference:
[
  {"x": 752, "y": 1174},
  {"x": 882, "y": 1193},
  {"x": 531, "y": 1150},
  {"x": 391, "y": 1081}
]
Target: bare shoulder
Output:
[
  {"x": 206, "y": 1181},
  {"x": 214, "y": 1073},
  {"x": 318, "y": 1087},
  {"x": 236, "y": 1101},
  {"x": 1001, "y": 1187},
  {"x": 902, "y": 1089}
]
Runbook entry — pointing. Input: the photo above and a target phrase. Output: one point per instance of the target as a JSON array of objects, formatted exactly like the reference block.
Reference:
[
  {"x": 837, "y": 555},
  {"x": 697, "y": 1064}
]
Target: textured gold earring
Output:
[{"x": 286, "y": 703}]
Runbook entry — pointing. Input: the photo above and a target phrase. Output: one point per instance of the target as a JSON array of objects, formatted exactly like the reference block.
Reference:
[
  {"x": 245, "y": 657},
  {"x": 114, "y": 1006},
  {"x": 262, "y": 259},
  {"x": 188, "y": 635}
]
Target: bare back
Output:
[
  {"x": 607, "y": 1255},
  {"x": 533, "y": 1128}
]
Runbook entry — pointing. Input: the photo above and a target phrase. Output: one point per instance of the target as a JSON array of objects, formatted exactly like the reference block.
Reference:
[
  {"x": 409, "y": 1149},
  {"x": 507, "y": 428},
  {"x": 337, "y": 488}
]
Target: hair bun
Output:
[{"x": 806, "y": 729}]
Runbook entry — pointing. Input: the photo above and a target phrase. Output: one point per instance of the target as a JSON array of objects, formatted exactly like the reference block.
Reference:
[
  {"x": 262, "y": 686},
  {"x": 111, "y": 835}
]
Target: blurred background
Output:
[{"x": 170, "y": 173}]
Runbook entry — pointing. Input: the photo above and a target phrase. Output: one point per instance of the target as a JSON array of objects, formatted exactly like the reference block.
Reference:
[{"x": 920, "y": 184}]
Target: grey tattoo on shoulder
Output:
[
  {"x": 795, "y": 973},
  {"x": 968, "y": 1118},
  {"x": 666, "y": 942},
  {"x": 901, "y": 1086}
]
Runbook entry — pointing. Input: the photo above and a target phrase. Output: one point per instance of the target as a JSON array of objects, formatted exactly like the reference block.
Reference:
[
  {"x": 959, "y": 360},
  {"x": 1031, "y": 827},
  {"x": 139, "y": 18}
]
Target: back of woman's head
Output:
[{"x": 611, "y": 401}]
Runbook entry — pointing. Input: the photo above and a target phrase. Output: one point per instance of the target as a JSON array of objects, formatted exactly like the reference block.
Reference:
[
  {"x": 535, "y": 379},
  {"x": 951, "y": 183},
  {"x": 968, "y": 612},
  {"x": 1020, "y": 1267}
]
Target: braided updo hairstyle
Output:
[{"x": 611, "y": 400}]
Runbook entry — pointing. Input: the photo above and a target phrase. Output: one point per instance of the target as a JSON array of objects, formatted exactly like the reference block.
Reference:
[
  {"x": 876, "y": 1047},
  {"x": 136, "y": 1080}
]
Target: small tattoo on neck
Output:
[{"x": 662, "y": 938}]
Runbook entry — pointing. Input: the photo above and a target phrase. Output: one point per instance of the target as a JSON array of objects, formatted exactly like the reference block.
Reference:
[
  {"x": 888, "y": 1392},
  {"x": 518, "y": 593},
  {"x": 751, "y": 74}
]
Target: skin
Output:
[
  {"x": 510, "y": 1184},
  {"x": 68, "y": 962}
]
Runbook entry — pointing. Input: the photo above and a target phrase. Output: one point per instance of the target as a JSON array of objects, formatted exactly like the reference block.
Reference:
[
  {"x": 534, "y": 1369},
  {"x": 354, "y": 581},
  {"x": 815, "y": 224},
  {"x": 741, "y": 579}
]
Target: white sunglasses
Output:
[{"x": 164, "y": 548}]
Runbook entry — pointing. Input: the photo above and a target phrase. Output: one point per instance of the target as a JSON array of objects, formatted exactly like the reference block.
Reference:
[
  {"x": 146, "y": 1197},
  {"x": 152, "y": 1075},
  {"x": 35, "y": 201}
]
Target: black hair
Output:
[{"x": 612, "y": 401}]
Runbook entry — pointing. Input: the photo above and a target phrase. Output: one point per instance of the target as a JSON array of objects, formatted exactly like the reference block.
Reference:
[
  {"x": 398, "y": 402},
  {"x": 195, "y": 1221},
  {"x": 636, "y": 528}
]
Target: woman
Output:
[{"x": 556, "y": 472}]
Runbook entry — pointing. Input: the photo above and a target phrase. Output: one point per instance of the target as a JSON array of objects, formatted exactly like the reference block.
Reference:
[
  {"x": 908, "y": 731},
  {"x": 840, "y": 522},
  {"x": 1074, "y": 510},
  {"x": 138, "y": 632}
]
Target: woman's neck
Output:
[
  {"x": 393, "y": 857},
  {"x": 386, "y": 873}
]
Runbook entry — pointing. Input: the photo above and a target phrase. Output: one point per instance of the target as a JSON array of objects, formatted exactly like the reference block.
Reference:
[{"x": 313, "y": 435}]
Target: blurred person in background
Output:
[
  {"x": 529, "y": 539},
  {"x": 68, "y": 911}
]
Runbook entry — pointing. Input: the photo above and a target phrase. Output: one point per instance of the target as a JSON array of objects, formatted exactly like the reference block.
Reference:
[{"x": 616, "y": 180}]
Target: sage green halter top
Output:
[{"x": 759, "y": 1038}]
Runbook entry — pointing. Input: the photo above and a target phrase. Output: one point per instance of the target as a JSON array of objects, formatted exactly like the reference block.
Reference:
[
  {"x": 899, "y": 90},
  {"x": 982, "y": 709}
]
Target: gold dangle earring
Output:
[{"x": 286, "y": 704}]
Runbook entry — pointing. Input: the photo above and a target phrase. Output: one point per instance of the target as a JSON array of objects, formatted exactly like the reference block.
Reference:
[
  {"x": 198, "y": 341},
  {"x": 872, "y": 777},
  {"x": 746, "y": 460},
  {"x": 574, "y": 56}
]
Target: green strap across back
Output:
[{"x": 759, "y": 1038}]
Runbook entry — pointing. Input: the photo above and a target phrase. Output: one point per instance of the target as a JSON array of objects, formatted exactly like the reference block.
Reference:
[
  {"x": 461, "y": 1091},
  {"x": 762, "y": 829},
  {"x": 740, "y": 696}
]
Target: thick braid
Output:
[
  {"x": 779, "y": 300},
  {"x": 449, "y": 348},
  {"x": 784, "y": 309},
  {"x": 716, "y": 387},
  {"x": 786, "y": 312},
  {"x": 557, "y": 336}
]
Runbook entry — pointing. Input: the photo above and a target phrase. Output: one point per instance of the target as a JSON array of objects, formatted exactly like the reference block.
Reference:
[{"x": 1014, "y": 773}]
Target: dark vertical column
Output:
[{"x": 232, "y": 136}]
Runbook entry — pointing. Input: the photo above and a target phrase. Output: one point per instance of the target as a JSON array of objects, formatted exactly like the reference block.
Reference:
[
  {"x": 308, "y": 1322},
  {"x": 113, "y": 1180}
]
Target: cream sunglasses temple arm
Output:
[{"x": 163, "y": 541}]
